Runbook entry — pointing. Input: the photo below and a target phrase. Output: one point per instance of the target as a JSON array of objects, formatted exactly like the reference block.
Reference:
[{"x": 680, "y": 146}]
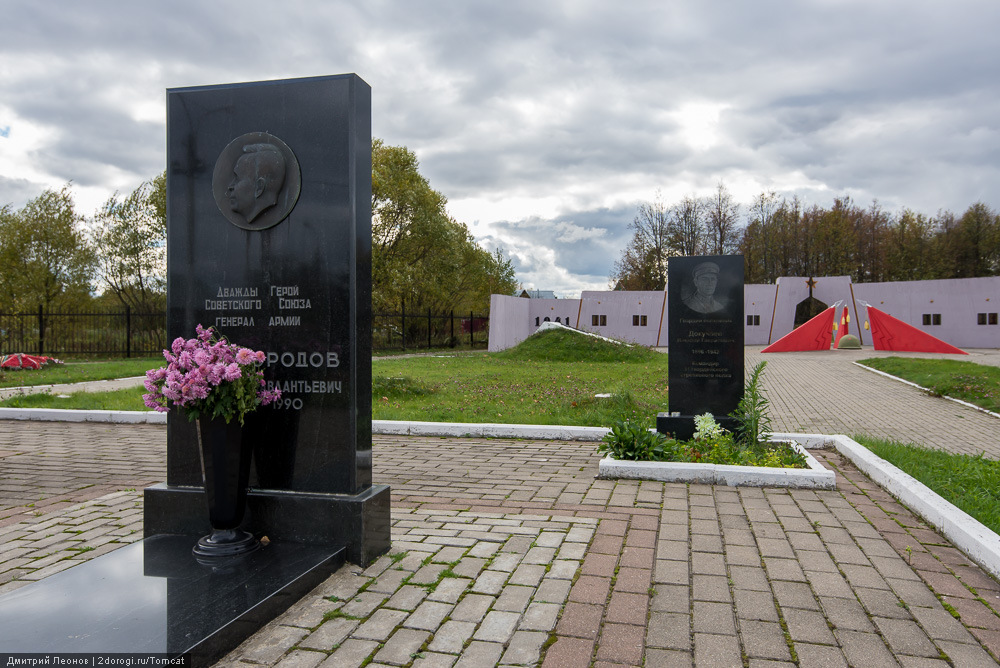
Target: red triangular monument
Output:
[
  {"x": 845, "y": 328},
  {"x": 889, "y": 333},
  {"x": 811, "y": 335}
]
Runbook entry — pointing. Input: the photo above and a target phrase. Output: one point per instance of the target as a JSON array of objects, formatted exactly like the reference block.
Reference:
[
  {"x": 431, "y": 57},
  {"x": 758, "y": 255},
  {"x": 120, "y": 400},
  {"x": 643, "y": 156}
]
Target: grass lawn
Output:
[
  {"x": 970, "y": 483},
  {"x": 977, "y": 384},
  {"x": 116, "y": 400},
  {"x": 78, "y": 371},
  {"x": 549, "y": 379}
]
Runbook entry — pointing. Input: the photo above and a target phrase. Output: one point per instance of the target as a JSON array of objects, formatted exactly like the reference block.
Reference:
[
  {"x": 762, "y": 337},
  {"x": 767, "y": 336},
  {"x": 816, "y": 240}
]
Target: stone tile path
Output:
[
  {"x": 510, "y": 553},
  {"x": 823, "y": 392}
]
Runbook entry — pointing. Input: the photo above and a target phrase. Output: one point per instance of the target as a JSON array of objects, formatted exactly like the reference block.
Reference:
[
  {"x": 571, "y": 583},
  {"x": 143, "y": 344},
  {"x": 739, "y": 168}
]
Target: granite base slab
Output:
[
  {"x": 155, "y": 597},
  {"x": 359, "y": 522}
]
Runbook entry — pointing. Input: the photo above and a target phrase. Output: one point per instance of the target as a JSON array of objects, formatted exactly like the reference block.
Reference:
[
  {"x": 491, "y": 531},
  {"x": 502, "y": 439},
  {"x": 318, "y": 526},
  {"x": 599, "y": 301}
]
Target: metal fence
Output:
[
  {"x": 126, "y": 333},
  {"x": 416, "y": 330},
  {"x": 111, "y": 332}
]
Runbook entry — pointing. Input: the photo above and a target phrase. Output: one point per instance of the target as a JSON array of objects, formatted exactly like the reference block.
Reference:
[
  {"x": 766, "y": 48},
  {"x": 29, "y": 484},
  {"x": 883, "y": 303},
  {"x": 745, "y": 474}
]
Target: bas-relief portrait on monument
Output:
[
  {"x": 256, "y": 181},
  {"x": 699, "y": 294}
]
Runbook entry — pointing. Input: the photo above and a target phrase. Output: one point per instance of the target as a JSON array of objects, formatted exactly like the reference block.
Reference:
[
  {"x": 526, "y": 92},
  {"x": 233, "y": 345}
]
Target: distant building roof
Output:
[{"x": 538, "y": 294}]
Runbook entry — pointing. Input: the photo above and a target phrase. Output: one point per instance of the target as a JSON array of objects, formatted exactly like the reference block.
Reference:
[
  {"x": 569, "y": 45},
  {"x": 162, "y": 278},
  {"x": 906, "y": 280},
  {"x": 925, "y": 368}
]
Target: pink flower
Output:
[
  {"x": 215, "y": 373},
  {"x": 205, "y": 374},
  {"x": 232, "y": 372},
  {"x": 245, "y": 356}
]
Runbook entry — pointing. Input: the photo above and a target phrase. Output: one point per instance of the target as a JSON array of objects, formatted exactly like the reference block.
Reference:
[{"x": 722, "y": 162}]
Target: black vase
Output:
[{"x": 226, "y": 459}]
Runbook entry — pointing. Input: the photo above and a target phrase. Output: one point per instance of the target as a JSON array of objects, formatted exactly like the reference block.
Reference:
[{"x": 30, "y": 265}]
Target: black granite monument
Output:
[
  {"x": 705, "y": 341},
  {"x": 269, "y": 242}
]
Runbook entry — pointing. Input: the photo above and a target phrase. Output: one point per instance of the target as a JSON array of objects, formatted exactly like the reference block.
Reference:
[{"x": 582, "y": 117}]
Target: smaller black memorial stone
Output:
[{"x": 705, "y": 339}]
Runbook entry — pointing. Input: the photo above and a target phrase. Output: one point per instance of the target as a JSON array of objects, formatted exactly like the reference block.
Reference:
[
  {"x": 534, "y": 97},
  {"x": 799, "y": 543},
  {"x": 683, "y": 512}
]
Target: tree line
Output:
[
  {"x": 784, "y": 237},
  {"x": 54, "y": 257}
]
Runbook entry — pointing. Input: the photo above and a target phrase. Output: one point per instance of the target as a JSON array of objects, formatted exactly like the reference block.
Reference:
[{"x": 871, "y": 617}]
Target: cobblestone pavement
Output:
[
  {"x": 825, "y": 393},
  {"x": 510, "y": 553},
  {"x": 50, "y": 466}
]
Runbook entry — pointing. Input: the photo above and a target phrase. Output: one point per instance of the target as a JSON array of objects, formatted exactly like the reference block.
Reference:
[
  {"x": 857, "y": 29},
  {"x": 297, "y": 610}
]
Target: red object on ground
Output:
[
  {"x": 812, "y": 335},
  {"x": 890, "y": 333},
  {"x": 22, "y": 361},
  {"x": 843, "y": 329}
]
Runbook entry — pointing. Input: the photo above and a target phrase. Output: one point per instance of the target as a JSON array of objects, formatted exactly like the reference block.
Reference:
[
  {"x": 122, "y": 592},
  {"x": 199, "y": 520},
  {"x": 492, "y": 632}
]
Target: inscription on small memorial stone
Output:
[{"x": 705, "y": 339}]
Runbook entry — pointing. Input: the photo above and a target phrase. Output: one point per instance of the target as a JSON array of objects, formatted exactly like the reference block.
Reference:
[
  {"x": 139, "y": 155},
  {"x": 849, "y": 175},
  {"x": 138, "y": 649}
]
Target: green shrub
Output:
[{"x": 633, "y": 441}]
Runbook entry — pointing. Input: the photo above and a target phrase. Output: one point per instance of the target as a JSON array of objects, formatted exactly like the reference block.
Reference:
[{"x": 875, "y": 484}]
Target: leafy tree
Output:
[
  {"x": 686, "y": 229},
  {"x": 420, "y": 254},
  {"x": 130, "y": 234},
  {"x": 972, "y": 243},
  {"x": 45, "y": 258},
  {"x": 910, "y": 242},
  {"x": 643, "y": 264},
  {"x": 871, "y": 229},
  {"x": 757, "y": 245},
  {"x": 722, "y": 233}
]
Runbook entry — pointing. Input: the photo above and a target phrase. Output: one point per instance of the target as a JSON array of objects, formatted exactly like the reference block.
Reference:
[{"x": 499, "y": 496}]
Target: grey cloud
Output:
[
  {"x": 15, "y": 192},
  {"x": 895, "y": 100}
]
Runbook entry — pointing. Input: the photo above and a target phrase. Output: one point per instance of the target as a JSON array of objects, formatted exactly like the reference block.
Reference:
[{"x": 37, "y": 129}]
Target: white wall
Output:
[
  {"x": 790, "y": 290},
  {"x": 958, "y": 301},
  {"x": 758, "y": 300},
  {"x": 620, "y": 307},
  {"x": 508, "y": 322}
]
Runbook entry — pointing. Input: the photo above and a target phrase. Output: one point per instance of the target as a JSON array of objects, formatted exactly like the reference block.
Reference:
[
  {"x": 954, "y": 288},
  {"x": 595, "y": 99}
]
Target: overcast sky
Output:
[{"x": 543, "y": 122}]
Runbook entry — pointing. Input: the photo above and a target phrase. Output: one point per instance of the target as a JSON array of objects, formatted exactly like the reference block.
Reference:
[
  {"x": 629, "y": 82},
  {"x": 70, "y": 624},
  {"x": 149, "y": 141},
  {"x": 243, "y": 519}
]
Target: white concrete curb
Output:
[
  {"x": 489, "y": 430},
  {"x": 389, "y": 427},
  {"x": 68, "y": 415},
  {"x": 927, "y": 390},
  {"x": 970, "y": 536},
  {"x": 815, "y": 477}
]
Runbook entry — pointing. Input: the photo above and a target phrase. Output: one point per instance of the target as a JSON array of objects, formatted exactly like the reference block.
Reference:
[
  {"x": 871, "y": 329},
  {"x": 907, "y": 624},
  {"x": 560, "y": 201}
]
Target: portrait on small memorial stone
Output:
[
  {"x": 256, "y": 181},
  {"x": 700, "y": 293}
]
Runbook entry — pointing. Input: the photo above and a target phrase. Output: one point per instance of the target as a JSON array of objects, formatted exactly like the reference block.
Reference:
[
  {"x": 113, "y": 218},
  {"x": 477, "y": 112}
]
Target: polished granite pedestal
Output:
[{"x": 156, "y": 597}]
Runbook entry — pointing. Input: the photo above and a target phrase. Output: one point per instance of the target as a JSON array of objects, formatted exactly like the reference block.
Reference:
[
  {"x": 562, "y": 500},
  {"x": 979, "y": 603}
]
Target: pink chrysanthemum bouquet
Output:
[{"x": 208, "y": 377}]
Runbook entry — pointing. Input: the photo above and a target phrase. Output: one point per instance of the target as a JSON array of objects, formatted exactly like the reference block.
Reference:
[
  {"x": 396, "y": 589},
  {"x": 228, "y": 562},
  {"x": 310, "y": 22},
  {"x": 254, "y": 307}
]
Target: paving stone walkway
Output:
[{"x": 510, "y": 553}]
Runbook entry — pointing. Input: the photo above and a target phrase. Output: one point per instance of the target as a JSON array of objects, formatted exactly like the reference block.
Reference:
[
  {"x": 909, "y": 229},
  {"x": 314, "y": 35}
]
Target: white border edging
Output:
[
  {"x": 489, "y": 430},
  {"x": 389, "y": 427},
  {"x": 927, "y": 390},
  {"x": 815, "y": 477},
  {"x": 970, "y": 536},
  {"x": 70, "y": 415}
]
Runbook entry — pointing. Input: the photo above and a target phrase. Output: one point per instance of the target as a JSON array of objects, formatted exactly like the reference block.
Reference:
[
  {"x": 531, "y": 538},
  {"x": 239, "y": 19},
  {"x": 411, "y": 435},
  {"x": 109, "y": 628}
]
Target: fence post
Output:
[
  {"x": 452, "y": 328},
  {"x": 41, "y": 332},
  {"x": 472, "y": 330},
  {"x": 428, "y": 328},
  {"x": 402, "y": 317},
  {"x": 128, "y": 331}
]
